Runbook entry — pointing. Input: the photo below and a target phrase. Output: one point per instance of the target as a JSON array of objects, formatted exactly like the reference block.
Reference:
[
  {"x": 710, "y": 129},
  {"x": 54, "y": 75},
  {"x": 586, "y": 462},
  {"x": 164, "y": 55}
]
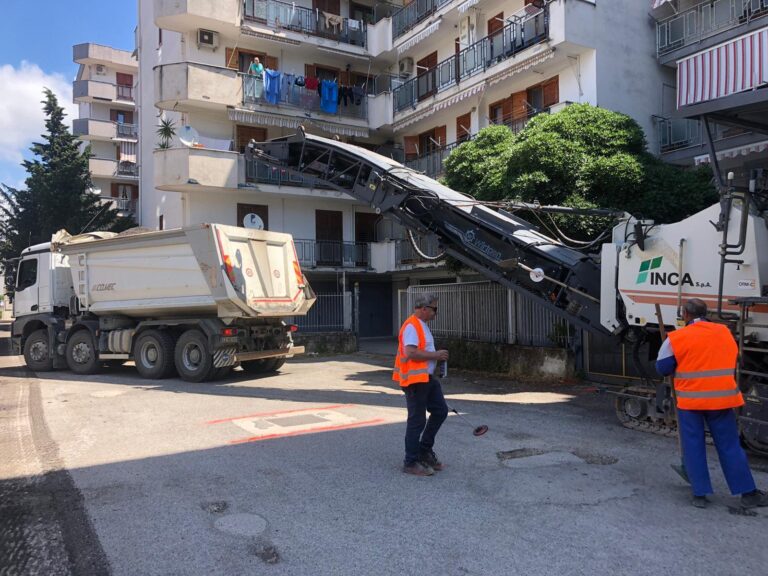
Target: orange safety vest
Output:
[
  {"x": 706, "y": 363},
  {"x": 407, "y": 371}
]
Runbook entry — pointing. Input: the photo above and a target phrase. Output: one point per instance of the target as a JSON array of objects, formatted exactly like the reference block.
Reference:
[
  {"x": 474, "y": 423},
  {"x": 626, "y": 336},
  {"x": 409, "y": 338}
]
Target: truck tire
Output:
[
  {"x": 153, "y": 354},
  {"x": 82, "y": 356},
  {"x": 274, "y": 364},
  {"x": 263, "y": 366},
  {"x": 193, "y": 359},
  {"x": 37, "y": 351}
]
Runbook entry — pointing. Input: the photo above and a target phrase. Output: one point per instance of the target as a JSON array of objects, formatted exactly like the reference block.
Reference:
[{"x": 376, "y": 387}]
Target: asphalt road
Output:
[{"x": 299, "y": 474}]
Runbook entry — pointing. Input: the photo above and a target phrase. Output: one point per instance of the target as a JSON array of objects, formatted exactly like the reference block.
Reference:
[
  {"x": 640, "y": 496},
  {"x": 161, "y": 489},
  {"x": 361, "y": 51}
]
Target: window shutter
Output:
[
  {"x": 344, "y": 78},
  {"x": 441, "y": 135},
  {"x": 411, "y": 144},
  {"x": 113, "y": 115},
  {"x": 463, "y": 126},
  {"x": 519, "y": 107},
  {"x": 113, "y": 190},
  {"x": 309, "y": 70},
  {"x": 231, "y": 58},
  {"x": 134, "y": 192},
  {"x": 551, "y": 90},
  {"x": 124, "y": 79},
  {"x": 270, "y": 62},
  {"x": 508, "y": 109}
]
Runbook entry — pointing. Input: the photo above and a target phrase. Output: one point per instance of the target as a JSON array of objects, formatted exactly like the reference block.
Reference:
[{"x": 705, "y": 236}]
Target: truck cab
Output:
[{"x": 43, "y": 282}]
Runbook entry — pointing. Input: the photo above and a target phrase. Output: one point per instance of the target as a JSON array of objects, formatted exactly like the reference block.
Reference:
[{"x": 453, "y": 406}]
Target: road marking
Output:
[
  {"x": 275, "y": 412},
  {"x": 309, "y": 431}
]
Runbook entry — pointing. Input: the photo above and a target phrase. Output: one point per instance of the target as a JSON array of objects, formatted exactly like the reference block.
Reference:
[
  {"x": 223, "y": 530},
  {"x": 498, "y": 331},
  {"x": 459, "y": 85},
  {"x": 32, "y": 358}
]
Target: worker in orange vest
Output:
[
  {"x": 414, "y": 369},
  {"x": 702, "y": 356}
]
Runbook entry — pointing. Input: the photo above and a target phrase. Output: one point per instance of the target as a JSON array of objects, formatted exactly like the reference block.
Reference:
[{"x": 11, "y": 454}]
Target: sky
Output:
[{"x": 36, "y": 39}]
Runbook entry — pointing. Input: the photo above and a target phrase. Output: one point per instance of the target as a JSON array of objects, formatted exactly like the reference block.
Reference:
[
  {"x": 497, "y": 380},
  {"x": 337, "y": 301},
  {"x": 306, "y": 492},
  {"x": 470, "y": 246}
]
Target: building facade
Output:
[
  {"x": 107, "y": 122},
  {"x": 407, "y": 81},
  {"x": 718, "y": 52}
]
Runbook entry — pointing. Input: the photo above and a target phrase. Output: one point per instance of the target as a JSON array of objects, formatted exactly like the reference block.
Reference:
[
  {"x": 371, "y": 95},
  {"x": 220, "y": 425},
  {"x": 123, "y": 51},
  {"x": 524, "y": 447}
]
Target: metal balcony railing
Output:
[
  {"x": 300, "y": 97},
  {"x": 526, "y": 28},
  {"x": 125, "y": 168},
  {"x": 410, "y": 15},
  {"x": 288, "y": 16},
  {"x": 126, "y": 130},
  {"x": 122, "y": 204},
  {"x": 125, "y": 92},
  {"x": 333, "y": 253},
  {"x": 704, "y": 20},
  {"x": 678, "y": 133}
]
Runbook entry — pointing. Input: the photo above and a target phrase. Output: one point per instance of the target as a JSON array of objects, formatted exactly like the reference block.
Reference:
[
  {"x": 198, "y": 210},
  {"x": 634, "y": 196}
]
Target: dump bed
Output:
[{"x": 208, "y": 269}]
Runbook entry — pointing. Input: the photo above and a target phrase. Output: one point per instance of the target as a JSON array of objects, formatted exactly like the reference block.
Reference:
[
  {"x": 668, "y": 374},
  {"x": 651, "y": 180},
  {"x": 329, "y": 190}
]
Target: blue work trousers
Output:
[
  {"x": 419, "y": 432},
  {"x": 725, "y": 433}
]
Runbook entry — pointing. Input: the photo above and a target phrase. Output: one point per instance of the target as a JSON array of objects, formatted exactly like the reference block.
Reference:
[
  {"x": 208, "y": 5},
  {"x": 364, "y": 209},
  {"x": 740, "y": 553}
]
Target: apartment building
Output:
[
  {"x": 408, "y": 81},
  {"x": 104, "y": 93},
  {"x": 718, "y": 51}
]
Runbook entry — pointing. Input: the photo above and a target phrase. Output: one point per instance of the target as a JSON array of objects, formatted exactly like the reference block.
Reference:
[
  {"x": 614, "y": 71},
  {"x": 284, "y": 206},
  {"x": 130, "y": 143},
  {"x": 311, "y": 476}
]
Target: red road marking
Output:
[
  {"x": 276, "y": 412},
  {"x": 310, "y": 431}
]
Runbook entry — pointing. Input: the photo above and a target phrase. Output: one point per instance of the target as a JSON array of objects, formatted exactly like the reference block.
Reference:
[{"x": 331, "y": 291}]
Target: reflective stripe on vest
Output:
[
  {"x": 706, "y": 363},
  {"x": 407, "y": 371}
]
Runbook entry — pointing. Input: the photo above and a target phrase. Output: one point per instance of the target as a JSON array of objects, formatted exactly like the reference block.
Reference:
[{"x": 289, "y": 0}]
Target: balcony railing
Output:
[
  {"x": 263, "y": 173},
  {"x": 126, "y": 130},
  {"x": 288, "y": 16},
  {"x": 704, "y": 20},
  {"x": 679, "y": 133},
  {"x": 125, "y": 92},
  {"x": 125, "y": 168},
  {"x": 524, "y": 30},
  {"x": 300, "y": 97},
  {"x": 410, "y": 15},
  {"x": 333, "y": 253},
  {"x": 121, "y": 204}
]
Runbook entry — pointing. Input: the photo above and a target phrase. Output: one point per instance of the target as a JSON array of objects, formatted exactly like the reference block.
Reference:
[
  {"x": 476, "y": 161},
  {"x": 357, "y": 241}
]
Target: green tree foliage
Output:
[
  {"x": 57, "y": 195},
  {"x": 583, "y": 157}
]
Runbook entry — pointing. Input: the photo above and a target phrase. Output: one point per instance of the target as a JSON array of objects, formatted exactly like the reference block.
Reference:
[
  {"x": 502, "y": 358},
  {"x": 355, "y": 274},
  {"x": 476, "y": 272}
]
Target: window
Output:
[
  {"x": 261, "y": 210},
  {"x": 27, "y": 274},
  {"x": 161, "y": 222}
]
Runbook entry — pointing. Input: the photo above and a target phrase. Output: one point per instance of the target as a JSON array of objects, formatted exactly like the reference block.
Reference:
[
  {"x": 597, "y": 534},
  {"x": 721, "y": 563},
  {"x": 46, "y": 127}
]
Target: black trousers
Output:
[{"x": 420, "y": 432}]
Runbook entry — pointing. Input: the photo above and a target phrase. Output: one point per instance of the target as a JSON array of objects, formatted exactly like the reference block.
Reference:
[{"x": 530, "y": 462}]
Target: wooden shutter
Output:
[
  {"x": 441, "y": 135},
  {"x": 113, "y": 115},
  {"x": 507, "y": 109},
  {"x": 309, "y": 71},
  {"x": 245, "y": 133},
  {"x": 463, "y": 126},
  {"x": 519, "y": 106},
  {"x": 231, "y": 58},
  {"x": 343, "y": 78},
  {"x": 270, "y": 62},
  {"x": 496, "y": 23},
  {"x": 134, "y": 192},
  {"x": 551, "y": 90},
  {"x": 113, "y": 191},
  {"x": 124, "y": 79},
  {"x": 411, "y": 144}
]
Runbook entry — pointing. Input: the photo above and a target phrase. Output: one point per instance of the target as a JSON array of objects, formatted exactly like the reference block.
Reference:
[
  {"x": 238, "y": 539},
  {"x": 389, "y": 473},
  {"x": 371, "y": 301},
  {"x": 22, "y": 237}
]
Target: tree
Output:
[
  {"x": 584, "y": 157},
  {"x": 57, "y": 195}
]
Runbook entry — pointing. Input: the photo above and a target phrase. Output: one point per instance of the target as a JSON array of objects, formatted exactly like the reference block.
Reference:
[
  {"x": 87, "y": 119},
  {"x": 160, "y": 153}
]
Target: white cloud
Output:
[{"x": 22, "y": 120}]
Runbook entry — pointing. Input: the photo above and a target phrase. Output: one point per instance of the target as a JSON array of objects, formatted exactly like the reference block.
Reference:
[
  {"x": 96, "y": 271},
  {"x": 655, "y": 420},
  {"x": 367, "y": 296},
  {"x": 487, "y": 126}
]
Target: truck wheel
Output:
[
  {"x": 37, "y": 352},
  {"x": 254, "y": 366},
  {"x": 153, "y": 354},
  {"x": 82, "y": 356},
  {"x": 193, "y": 359},
  {"x": 274, "y": 364}
]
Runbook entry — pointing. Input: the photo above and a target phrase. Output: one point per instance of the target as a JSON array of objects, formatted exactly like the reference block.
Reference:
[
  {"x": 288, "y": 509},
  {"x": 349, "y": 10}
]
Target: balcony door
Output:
[
  {"x": 365, "y": 233},
  {"x": 329, "y": 237},
  {"x": 426, "y": 78}
]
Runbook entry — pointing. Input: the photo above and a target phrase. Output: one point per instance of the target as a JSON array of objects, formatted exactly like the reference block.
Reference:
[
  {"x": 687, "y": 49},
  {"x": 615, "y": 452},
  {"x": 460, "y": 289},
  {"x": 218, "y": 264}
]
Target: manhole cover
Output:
[{"x": 242, "y": 524}]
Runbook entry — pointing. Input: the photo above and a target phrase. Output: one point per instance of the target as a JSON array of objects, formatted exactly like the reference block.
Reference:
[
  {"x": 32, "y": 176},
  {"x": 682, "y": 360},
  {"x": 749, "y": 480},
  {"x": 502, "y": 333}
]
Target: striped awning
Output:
[
  {"x": 429, "y": 30},
  {"x": 753, "y": 148},
  {"x": 656, "y": 3},
  {"x": 265, "y": 119},
  {"x": 464, "y": 6},
  {"x": 732, "y": 67},
  {"x": 128, "y": 152},
  {"x": 476, "y": 89}
]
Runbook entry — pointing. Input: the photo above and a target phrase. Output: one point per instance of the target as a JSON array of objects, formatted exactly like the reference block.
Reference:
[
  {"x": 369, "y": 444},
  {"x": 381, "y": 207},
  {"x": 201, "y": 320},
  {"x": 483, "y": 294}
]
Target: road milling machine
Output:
[{"x": 719, "y": 255}]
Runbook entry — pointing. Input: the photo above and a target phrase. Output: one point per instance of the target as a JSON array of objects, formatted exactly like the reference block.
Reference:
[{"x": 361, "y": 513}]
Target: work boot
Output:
[
  {"x": 754, "y": 499},
  {"x": 700, "y": 501},
  {"x": 430, "y": 459},
  {"x": 418, "y": 469}
]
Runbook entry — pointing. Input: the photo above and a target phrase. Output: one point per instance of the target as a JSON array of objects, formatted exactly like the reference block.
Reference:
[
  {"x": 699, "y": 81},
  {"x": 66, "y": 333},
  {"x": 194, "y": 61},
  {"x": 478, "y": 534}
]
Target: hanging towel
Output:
[
  {"x": 329, "y": 92},
  {"x": 311, "y": 83},
  {"x": 272, "y": 86},
  {"x": 357, "y": 92},
  {"x": 287, "y": 87}
]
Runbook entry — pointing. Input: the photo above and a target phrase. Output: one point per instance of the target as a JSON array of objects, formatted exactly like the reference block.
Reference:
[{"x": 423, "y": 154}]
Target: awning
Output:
[
  {"x": 732, "y": 67},
  {"x": 464, "y": 6},
  {"x": 521, "y": 66},
  {"x": 418, "y": 37},
  {"x": 265, "y": 119},
  {"x": 734, "y": 152},
  {"x": 656, "y": 3},
  {"x": 431, "y": 109},
  {"x": 476, "y": 89},
  {"x": 128, "y": 152}
]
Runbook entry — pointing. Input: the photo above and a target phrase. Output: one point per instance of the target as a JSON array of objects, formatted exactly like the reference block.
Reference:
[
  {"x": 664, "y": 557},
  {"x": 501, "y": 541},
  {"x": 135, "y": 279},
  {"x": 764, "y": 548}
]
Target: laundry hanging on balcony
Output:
[
  {"x": 418, "y": 37},
  {"x": 736, "y": 66}
]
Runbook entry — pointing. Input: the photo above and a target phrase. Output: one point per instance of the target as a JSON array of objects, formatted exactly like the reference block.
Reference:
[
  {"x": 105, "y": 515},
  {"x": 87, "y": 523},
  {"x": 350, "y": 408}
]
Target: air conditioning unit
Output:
[
  {"x": 101, "y": 70},
  {"x": 405, "y": 67},
  {"x": 207, "y": 39}
]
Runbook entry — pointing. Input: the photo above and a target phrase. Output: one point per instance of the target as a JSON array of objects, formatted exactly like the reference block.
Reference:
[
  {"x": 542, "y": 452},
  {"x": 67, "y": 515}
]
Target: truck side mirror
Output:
[{"x": 10, "y": 281}]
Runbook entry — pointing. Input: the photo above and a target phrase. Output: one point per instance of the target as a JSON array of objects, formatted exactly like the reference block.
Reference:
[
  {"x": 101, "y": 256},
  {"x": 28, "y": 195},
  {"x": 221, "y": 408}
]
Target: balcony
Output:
[
  {"x": 332, "y": 253},
  {"x": 184, "y": 86},
  {"x": 705, "y": 20},
  {"x": 124, "y": 206},
  {"x": 89, "y": 53},
  {"x": 306, "y": 21},
  {"x": 304, "y": 99},
  {"x": 189, "y": 15},
  {"x": 105, "y": 130},
  {"x": 92, "y": 91},
  {"x": 525, "y": 29},
  {"x": 411, "y": 14},
  {"x": 681, "y": 133},
  {"x": 195, "y": 169},
  {"x": 106, "y": 168}
]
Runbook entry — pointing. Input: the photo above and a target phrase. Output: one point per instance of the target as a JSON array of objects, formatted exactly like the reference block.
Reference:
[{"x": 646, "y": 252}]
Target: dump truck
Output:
[{"x": 197, "y": 301}]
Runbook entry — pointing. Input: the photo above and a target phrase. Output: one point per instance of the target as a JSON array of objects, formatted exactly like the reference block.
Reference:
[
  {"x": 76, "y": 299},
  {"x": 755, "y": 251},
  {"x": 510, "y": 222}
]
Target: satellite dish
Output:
[
  {"x": 188, "y": 136},
  {"x": 253, "y": 221}
]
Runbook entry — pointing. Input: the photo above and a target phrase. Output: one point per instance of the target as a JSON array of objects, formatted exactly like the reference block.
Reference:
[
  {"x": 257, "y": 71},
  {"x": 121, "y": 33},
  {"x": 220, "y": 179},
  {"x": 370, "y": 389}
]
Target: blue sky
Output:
[{"x": 36, "y": 39}]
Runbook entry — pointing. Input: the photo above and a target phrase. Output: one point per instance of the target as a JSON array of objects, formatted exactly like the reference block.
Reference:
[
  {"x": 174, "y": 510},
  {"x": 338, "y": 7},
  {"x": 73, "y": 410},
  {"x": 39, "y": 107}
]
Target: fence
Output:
[
  {"x": 332, "y": 253},
  {"x": 489, "y": 312},
  {"x": 330, "y": 313}
]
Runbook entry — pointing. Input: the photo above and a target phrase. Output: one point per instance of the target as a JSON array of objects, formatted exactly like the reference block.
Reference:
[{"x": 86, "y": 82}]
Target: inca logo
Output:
[{"x": 646, "y": 266}]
